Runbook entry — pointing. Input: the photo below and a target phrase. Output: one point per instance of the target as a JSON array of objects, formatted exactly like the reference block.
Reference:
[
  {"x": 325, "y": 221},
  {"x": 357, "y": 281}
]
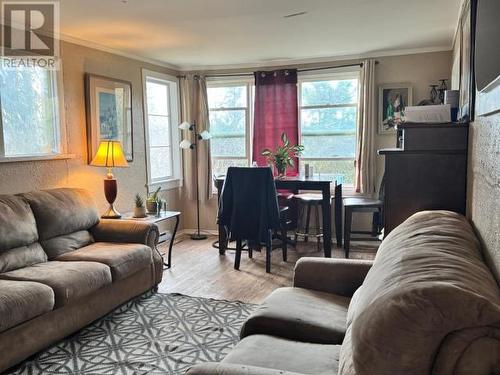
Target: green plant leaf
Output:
[{"x": 285, "y": 140}]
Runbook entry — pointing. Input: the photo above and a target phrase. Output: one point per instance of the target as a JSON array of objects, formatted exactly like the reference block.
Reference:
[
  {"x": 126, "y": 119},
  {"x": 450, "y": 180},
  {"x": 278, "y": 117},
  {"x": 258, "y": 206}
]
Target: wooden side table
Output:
[{"x": 161, "y": 221}]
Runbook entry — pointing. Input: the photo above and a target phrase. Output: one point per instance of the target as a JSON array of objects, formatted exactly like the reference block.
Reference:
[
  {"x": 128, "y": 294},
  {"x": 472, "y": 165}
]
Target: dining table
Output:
[{"x": 294, "y": 184}]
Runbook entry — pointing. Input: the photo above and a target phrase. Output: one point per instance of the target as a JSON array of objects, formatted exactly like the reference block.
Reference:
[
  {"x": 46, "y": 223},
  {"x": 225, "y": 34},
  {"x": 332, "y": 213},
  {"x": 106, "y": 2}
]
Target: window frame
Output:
[
  {"x": 328, "y": 75},
  {"x": 249, "y": 83},
  {"x": 60, "y": 131},
  {"x": 175, "y": 180}
]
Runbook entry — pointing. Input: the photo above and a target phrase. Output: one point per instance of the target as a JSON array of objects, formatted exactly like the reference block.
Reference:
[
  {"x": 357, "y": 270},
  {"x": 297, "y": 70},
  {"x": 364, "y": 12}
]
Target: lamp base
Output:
[
  {"x": 198, "y": 236},
  {"x": 110, "y": 191},
  {"x": 111, "y": 213}
]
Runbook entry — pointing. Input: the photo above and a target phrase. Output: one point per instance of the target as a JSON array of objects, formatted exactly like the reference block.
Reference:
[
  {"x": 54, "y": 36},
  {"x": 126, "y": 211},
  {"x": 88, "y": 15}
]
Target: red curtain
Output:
[{"x": 276, "y": 111}]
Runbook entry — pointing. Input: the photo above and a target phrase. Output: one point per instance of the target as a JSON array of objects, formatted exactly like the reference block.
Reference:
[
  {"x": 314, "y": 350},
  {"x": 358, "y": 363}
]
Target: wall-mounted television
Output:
[{"x": 487, "y": 56}]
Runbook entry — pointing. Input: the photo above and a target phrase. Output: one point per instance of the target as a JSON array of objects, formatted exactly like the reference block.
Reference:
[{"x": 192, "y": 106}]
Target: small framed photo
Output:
[
  {"x": 109, "y": 113},
  {"x": 393, "y": 99}
]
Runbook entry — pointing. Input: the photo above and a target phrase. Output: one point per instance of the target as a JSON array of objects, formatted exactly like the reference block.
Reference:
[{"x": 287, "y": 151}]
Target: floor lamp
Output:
[{"x": 186, "y": 144}]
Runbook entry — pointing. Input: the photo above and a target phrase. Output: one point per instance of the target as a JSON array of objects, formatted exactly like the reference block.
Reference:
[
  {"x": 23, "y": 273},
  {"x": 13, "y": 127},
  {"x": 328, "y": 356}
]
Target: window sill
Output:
[
  {"x": 165, "y": 185},
  {"x": 17, "y": 159}
]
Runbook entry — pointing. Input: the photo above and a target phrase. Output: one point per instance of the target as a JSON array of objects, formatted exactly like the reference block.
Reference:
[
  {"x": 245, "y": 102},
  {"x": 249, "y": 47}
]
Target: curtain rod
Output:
[{"x": 299, "y": 70}]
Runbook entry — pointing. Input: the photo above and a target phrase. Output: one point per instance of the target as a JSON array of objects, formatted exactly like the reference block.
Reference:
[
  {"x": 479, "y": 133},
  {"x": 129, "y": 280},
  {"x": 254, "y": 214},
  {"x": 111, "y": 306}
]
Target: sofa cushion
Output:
[
  {"x": 17, "y": 223},
  {"x": 23, "y": 300},
  {"x": 62, "y": 211},
  {"x": 428, "y": 281},
  {"x": 123, "y": 259},
  {"x": 287, "y": 355},
  {"x": 60, "y": 245},
  {"x": 18, "y": 235},
  {"x": 68, "y": 280},
  {"x": 300, "y": 314},
  {"x": 20, "y": 257}
]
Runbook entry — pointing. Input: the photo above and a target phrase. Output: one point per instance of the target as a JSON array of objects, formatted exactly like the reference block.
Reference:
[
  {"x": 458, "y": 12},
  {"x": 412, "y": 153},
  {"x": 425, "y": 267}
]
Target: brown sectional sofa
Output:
[
  {"x": 427, "y": 304},
  {"x": 61, "y": 267}
]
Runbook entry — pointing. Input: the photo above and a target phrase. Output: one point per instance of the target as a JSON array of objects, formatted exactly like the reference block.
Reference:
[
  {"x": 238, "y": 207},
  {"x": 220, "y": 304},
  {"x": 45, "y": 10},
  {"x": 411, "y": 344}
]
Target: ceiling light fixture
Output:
[{"x": 294, "y": 14}]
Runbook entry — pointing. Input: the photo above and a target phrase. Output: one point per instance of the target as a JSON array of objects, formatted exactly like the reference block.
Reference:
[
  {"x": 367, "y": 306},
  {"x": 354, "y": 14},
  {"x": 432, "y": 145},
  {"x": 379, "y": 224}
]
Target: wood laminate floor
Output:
[{"x": 199, "y": 270}]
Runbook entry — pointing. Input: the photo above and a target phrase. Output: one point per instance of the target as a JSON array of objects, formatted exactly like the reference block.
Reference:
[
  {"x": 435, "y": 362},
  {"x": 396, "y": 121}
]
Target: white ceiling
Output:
[{"x": 214, "y": 33}]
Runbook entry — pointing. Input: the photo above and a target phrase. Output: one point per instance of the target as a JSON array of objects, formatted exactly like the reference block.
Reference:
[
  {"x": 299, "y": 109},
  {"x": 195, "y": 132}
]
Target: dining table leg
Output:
[{"x": 327, "y": 222}]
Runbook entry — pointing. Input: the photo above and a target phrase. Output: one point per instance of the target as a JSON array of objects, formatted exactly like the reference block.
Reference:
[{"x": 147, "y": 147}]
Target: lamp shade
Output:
[
  {"x": 185, "y": 126},
  {"x": 185, "y": 144},
  {"x": 205, "y": 135},
  {"x": 110, "y": 155}
]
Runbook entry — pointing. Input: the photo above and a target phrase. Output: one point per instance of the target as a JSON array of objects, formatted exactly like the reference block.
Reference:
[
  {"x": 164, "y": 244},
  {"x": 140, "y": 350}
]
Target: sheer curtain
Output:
[
  {"x": 367, "y": 125},
  {"x": 194, "y": 107},
  {"x": 276, "y": 111}
]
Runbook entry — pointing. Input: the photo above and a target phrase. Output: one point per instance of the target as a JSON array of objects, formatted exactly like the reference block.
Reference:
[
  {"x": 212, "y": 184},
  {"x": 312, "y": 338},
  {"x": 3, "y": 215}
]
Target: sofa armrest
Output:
[
  {"x": 126, "y": 231},
  {"x": 212, "y": 368},
  {"x": 336, "y": 276}
]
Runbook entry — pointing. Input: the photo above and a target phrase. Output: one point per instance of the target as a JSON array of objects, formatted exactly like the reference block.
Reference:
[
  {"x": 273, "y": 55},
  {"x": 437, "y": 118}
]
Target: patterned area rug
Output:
[{"x": 153, "y": 334}]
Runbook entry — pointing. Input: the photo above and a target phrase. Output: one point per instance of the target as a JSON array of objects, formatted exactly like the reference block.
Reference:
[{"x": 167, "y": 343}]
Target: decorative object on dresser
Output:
[
  {"x": 161, "y": 220},
  {"x": 427, "y": 172},
  {"x": 109, "y": 113},
  {"x": 187, "y": 144},
  {"x": 393, "y": 99},
  {"x": 110, "y": 155}
]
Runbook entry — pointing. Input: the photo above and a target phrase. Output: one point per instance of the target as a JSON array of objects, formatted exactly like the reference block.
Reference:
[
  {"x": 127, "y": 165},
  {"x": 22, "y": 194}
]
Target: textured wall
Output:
[
  {"x": 26, "y": 176},
  {"x": 483, "y": 201}
]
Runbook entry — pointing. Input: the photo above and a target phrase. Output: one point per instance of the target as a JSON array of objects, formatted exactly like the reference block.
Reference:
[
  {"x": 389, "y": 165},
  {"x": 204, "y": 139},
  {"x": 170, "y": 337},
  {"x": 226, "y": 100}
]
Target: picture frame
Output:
[
  {"x": 393, "y": 98},
  {"x": 108, "y": 103}
]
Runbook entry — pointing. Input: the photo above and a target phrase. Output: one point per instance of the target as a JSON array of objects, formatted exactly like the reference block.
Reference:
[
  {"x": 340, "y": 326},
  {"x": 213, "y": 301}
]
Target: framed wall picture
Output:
[
  {"x": 393, "y": 99},
  {"x": 109, "y": 113}
]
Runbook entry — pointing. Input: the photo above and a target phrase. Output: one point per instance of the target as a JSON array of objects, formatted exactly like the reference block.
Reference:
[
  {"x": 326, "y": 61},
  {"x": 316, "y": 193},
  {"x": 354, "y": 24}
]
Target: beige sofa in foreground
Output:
[
  {"x": 428, "y": 305},
  {"x": 61, "y": 267}
]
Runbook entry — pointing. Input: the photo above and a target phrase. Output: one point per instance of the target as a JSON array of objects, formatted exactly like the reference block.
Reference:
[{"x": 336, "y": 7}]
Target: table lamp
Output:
[{"x": 110, "y": 155}]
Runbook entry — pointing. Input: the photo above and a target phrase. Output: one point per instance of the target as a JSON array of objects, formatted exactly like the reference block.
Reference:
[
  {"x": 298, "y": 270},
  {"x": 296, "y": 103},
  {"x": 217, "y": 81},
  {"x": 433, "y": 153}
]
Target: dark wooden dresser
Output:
[{"x": 427, "y": 171}]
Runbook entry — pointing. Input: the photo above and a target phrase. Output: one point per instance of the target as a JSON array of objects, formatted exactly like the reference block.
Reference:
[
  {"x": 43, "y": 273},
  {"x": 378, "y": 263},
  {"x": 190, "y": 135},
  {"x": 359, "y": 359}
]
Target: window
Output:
[
  {"x": 328, "y": 121},
  {"x": 230, "y": 108},
  {"x": 161, "y": 116},
  {"x": 29, "y": 114}
]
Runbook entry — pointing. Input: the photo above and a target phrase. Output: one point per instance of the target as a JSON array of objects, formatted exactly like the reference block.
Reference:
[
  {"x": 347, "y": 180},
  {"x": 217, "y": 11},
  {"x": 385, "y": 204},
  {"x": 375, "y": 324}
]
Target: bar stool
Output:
[{"x": 307, "y": 202}]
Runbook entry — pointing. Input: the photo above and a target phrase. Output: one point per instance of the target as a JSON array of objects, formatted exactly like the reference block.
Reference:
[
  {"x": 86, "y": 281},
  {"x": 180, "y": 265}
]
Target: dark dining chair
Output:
[
  {"x": 249, "y": 210},
  {"x": 374, "y": 206}
]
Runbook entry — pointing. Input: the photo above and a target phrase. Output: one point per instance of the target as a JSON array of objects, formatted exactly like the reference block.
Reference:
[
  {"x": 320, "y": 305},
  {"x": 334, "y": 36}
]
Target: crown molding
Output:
[
  {"x": 250, "y": 65},
  {"x": 100, "y": 47},
  {"x": 316, "y": 60}
]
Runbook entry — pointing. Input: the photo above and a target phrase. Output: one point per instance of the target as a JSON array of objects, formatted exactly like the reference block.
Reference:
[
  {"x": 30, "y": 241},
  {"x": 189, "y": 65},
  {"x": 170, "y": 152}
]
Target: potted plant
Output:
[
  {"x": 152, "y": 202},
  {"x": 282, "y": 157},
  {"x": 139, "y": 209}
]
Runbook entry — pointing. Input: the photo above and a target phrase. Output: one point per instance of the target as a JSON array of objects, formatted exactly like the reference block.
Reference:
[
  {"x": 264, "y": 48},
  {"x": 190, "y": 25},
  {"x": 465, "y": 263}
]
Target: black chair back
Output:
[{"x": 248, "y": 206}]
